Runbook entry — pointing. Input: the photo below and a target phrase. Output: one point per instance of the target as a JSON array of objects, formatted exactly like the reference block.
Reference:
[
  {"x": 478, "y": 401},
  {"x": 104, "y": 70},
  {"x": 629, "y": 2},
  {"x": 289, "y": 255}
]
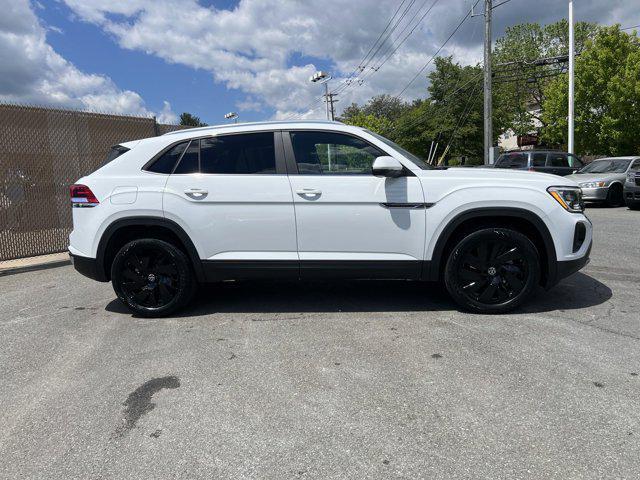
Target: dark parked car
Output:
[{"x": 544, "y": 161}]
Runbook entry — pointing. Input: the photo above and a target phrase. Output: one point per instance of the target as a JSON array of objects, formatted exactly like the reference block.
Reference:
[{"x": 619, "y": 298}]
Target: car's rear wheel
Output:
[
  {"x": 492, "y": 270},
  {"x": 152, "y": 277},
  {"x": 615, "y": 197}
]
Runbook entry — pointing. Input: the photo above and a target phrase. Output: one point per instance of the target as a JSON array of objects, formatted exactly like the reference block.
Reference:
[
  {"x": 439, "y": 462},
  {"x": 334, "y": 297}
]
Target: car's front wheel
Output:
[
  {"x": 615, "y": 196},
  {"x": 152, "y": 277},
  {"x": 492, "y": 270}
]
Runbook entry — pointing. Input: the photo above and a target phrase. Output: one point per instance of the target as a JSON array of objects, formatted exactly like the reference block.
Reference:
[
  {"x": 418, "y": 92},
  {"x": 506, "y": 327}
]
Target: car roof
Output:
[{"x": 277, "y": 124}]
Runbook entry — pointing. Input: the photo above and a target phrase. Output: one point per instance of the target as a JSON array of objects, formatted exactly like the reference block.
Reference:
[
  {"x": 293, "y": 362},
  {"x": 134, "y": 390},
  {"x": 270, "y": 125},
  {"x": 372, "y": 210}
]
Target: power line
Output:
[
  {"x": 464, "y": 19},
  {"x": 362, "y": 65},
  {"x": 386, "y": 54}
]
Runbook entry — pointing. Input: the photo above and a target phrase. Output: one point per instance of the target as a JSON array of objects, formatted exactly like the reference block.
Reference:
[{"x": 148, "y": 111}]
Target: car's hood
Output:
[
  {"x": 499, "y": 176},
  {"x": 596, "y": 177}
]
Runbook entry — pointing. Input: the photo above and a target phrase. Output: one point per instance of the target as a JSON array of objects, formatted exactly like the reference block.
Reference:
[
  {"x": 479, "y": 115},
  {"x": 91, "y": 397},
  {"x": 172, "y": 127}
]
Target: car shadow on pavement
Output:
[{"x": 575, "y": 292}]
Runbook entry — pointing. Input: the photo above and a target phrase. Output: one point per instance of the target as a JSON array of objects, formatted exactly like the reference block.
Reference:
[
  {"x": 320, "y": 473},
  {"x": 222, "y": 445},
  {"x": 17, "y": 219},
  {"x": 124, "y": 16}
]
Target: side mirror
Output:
[{"x": 387, "y": 167}]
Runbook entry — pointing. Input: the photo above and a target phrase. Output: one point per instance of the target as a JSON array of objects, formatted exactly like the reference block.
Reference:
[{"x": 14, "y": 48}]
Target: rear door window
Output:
[
  {"x": 512, "y": 160},
  {"x": 557, "y": 160},
  {"x": 539, "y": 159},
  {"x": 250, "y": 153}
]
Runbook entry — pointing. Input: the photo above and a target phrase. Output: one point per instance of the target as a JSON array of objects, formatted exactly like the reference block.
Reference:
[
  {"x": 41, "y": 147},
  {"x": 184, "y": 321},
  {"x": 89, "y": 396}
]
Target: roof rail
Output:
[{"x": 270, "y": 122}]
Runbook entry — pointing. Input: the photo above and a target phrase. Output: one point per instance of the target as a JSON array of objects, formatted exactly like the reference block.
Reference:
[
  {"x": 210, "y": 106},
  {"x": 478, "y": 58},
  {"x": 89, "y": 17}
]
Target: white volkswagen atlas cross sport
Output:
[{"x": 317, "y": 199}]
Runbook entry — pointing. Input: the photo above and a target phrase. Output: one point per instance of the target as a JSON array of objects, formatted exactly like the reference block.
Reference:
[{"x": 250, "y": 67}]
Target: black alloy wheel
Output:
[
  {"x": 152, "y": 277},
  {"x": 492, "y": 270}
]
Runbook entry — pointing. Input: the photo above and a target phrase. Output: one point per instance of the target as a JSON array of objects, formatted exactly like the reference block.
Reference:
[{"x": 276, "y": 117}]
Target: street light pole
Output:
[
  {"x": 571, "y": 120},
  {"x": 488, "y": 124}
]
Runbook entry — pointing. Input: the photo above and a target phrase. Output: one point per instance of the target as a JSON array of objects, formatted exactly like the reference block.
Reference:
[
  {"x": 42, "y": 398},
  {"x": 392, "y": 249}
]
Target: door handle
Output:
[
  {"x": 196, "y": 193},
  {"x": 309, "y": 192}
]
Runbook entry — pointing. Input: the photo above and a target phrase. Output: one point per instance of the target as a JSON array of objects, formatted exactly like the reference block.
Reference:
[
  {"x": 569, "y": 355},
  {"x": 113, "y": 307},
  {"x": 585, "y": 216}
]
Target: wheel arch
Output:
[
  {"x": 125, "y": 229},
  {"x": 523, "y": 220}
]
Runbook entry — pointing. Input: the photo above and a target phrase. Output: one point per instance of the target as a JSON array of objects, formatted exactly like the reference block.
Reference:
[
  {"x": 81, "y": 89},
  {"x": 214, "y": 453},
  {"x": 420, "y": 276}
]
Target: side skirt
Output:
[{"x": 217, "y": 270}]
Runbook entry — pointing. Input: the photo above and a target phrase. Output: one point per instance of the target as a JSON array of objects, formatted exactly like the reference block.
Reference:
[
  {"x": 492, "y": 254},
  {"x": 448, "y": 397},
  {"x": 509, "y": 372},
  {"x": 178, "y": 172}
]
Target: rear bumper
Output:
[{"x": 87, "y": 267}]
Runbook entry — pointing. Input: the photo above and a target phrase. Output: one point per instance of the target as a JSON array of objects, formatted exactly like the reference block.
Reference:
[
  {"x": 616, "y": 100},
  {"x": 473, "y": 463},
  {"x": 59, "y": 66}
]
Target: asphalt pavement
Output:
[{"x": 337, "y": 380}]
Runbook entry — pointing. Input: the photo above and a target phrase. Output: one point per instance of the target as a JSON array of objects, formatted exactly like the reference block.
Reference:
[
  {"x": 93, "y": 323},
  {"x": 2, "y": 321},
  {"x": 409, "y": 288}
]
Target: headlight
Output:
[
  {"x": 631, "y": 176},
  {"x": 593, "y": 184},
  {"x": 569, "y": 197}
]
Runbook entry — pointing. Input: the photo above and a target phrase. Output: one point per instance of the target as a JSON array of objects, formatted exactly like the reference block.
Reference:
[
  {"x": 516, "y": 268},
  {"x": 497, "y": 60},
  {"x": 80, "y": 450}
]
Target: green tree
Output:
[
  {"x": 451, "y": 116},
  {"x": 191, "y": 120},
  {"x": 607, "y": 97},
  {"x": 519, "y": 81}
]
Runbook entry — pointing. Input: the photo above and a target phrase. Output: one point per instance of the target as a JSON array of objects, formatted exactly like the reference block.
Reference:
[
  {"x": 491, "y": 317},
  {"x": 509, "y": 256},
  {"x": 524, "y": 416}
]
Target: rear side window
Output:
[
  {"x": 512, "y": 160},
  {"x": 251, "y": 153},
  {"x": 557, "y": 160},
  {"x": 114, "y": 153},
  {"x": 168, "y": 160},
  {"x": 190, "y": 161}
]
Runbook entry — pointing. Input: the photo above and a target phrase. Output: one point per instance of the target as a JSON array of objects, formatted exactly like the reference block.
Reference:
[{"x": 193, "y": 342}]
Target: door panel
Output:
[
  {"x": 243, "y": 214},
  {"x": 362, "y": 225}
]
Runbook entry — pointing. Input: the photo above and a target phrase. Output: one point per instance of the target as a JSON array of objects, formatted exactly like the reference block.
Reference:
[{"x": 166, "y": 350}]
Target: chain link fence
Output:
[{"x": 42, "y": 152}]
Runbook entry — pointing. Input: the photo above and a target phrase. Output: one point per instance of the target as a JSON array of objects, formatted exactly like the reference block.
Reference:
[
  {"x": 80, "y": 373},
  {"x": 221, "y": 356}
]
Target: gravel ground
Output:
[{"x": 326, "y": 380}]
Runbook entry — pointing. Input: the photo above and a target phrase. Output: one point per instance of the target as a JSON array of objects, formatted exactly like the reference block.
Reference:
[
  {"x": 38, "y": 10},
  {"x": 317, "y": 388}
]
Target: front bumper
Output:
[
  {"x": 632, "y": 193},
  {"x": 569, "y": 267},
  {"x": 88, "y": 267},
  {"x": 598, "y": 194}
]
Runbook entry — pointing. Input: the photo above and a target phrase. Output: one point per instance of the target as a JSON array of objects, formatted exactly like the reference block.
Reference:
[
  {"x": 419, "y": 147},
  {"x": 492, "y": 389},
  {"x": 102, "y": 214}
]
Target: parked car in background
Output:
[
  {"x": 602, "y": 181},
  {"x": 632, "y": 186},
  {"x": 544, "y": 161}
]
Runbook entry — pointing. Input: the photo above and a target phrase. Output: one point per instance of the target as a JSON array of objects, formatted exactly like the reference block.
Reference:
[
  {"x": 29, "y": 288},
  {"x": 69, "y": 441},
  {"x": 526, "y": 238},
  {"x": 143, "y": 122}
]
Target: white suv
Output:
[{"x": 317, "y": 199}]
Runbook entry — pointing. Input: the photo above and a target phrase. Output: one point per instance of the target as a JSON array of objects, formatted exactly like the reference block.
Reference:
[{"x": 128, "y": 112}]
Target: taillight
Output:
[{"x": 82, "y": 196}]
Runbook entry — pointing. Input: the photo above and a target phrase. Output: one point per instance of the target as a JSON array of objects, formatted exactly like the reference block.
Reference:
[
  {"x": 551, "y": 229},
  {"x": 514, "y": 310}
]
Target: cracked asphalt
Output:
[{"x": 326, "y": 380}]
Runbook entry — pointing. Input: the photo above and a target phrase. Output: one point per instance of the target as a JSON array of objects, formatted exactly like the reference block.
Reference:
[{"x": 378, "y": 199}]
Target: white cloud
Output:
[
  {"x": 248, "y": 47},
  {"x": 251, "y": 46},
  {"x": 32, "y": 72}
]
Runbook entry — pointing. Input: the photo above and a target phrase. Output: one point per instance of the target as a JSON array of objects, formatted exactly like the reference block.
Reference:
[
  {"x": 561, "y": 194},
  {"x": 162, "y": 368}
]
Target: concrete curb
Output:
[{"x": 34, "y": 263}]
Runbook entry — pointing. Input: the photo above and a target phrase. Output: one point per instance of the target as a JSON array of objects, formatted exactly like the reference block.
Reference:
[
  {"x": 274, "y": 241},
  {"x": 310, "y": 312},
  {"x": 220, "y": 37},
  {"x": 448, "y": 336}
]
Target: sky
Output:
[{"x": 253, "y": 57}]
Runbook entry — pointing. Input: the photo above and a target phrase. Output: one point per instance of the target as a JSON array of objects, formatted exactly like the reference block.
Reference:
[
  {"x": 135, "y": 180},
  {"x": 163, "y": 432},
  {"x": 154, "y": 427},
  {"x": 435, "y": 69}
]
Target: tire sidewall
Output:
[
  {"x": 185, "y": 276},
  {"x": 455, "y": 257}
]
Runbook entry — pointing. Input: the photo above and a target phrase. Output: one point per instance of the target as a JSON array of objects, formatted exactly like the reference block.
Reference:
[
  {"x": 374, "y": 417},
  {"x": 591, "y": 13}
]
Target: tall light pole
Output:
[
  {"x": 323, "y": 78},
  {"x": 488, "y": 124},
  {"x": 570, "y": 145}
]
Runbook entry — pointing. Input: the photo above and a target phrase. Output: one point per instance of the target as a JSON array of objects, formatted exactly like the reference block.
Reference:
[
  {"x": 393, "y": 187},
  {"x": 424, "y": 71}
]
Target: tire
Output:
[
  {"x": 152, "y": 278},
  {"x": 493, "y": 270},
  {"x": 615, "y": 197},
  {"x": 633, "y": 205}
]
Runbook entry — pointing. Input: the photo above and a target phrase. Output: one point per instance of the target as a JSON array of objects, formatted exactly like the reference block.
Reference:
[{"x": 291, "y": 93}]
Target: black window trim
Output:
[
  {"x": 279, "y": 153},
  {"x": 292, "y": 165}
]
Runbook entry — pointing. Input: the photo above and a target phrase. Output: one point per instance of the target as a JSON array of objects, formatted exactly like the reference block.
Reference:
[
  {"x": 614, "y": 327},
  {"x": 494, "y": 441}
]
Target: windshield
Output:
[
  {"x": 410, "y": 156},
  {"x": 606, "y": 166}
]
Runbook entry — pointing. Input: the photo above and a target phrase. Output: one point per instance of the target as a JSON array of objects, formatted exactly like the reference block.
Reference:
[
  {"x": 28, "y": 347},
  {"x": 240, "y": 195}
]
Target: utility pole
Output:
[
  {"x": 571, "y": 78},
  {"x": 488, "y": 124},
  {"x": 330, "y": 101},
  {"x": 326, "y": 99}
]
